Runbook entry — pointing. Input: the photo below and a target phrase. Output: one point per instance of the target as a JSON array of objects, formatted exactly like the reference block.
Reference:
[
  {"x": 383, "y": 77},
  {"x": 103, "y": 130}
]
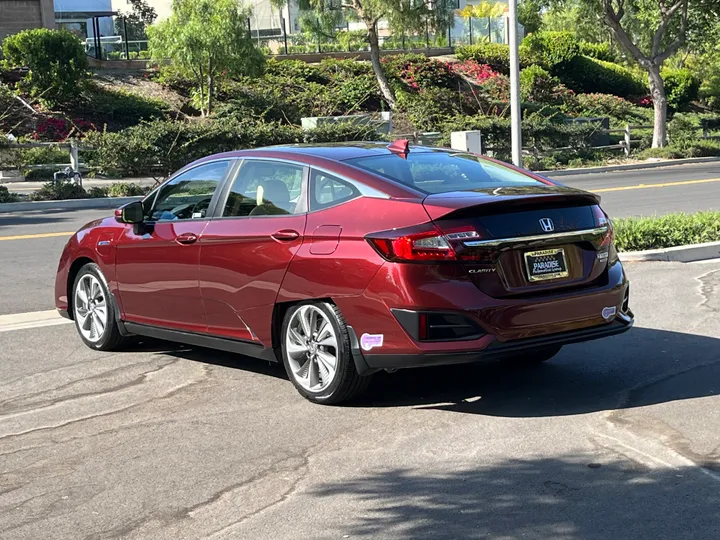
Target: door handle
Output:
[
  {"x": 186, "y": 238},
  {"x": 285, "y": 235}
]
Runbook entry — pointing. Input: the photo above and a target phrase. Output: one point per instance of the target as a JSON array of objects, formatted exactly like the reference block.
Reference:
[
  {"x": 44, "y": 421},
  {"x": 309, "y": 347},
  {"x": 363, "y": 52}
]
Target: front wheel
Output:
[
  {"x": 317, "y": 355},
  {"x": 94, "y": 310}
]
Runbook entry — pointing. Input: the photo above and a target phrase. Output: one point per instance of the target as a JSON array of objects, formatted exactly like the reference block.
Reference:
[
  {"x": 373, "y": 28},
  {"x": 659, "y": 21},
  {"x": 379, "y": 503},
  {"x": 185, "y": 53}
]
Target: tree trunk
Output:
[
  {"x": 385, "y": 89},
  {"x": 210, "y": 92},
  {"x": 657, "y": 90}
]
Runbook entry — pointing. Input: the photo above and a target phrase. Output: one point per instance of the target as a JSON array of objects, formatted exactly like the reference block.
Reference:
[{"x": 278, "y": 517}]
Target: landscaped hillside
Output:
[{"x": 147, "y": 123}]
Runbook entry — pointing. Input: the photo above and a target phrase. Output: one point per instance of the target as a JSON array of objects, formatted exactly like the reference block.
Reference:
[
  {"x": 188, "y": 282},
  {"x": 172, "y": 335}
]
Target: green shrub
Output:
[
  {"x": 96, "y": 192},
  {"x": 56, "y": 60},
  {"x": 538, "y": 132},
  {"x": 125, "y": 189},
  {"x": 537, "y": 85},
  {"x": 161, "y": 147},
  {"x": 7, "y": 197},
  {"x": 550, "y": 49},
  {"x": 170, "y": 76},
  {"x": 432, "y": 108},
  {"x": 52, "y": 191},
  {"x": 418, "y": 71},
  {"x": 619, "y": 110},
  {"x": 599, "y": 51},
  {"x": 42, "y": 156},
  {"x": 496, "y": 55},
  {"x": 683, "y": 149},
  {"x": 681, "y": 87},
  {"x": 636, "y": 234},
  {"x": 117, "y": 108},
  {"x": 584, "y": 75}
]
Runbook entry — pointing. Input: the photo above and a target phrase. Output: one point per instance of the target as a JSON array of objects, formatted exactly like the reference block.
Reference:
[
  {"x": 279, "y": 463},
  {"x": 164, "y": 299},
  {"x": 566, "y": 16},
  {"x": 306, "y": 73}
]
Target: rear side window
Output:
[
  {"x": 327, "y": 190},
  {"x": 265, "y": 188},
  {"x": 440, "y": 172}
]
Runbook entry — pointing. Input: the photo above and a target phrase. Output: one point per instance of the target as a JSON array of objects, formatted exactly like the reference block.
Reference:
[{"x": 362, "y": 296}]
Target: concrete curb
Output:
[
  {"x": 690, "y": 253},
  {"x": 629, "y": 167},
  {"x": 70, "y": 204}
]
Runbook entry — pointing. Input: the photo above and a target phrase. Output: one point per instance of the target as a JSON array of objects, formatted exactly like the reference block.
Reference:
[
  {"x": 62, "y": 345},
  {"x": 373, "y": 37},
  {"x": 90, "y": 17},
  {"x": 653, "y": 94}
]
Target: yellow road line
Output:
[
  {"x": 31, "y": 236},
  {"x": 649, "y": 186}
]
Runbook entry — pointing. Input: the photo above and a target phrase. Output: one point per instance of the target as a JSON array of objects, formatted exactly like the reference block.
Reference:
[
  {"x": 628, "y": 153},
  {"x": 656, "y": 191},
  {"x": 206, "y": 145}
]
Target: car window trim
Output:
[
  {"x": 304, "y": 195},
  {"x": 213, "y": 202}
]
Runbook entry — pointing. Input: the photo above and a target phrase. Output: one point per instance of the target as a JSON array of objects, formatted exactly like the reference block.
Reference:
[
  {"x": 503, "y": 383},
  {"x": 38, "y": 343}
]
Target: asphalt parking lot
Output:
[{"x": 612, "y": 439}]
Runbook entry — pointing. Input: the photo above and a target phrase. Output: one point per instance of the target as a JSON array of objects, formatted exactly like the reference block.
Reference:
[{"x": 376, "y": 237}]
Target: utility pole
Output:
[{"x": 515, "y": 113}]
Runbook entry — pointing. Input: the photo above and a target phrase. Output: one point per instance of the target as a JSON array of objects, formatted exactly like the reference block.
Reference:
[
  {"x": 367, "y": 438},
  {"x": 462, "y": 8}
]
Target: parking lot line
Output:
[
  {"x": 30, "y": 236},
  {"x": 33, "y": 319}
]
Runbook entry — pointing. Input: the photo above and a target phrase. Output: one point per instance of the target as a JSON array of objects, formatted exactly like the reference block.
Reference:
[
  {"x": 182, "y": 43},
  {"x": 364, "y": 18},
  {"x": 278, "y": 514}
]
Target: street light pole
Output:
[{"x": 515, "y": 113}]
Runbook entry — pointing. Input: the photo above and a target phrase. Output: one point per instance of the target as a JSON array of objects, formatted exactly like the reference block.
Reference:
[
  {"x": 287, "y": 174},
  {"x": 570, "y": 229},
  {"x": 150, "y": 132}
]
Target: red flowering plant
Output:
[
  {"x": 645, "y": 101},
  {"x": 59, "y": 129}
]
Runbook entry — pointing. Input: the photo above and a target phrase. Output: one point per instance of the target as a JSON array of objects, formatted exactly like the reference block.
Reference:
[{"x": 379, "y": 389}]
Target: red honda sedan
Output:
[{"x": 343, "y": 260}]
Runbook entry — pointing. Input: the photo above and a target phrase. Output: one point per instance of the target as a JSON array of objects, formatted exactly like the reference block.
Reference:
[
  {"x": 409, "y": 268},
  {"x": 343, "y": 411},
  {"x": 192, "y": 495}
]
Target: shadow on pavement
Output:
[
  {"x": 560, "y": 498},
  {"x": 642, "y": 367},
  {"x": 45, "y": 217}
]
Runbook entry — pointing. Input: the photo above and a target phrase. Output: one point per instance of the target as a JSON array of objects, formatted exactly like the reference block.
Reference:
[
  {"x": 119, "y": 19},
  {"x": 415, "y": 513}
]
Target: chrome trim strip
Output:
[{"x": 520, "y": 239}]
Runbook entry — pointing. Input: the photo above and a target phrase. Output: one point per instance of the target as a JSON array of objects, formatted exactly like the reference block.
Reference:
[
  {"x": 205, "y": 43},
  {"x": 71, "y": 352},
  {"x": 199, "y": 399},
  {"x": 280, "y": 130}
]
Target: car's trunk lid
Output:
[{"x": 530, "y": 238}]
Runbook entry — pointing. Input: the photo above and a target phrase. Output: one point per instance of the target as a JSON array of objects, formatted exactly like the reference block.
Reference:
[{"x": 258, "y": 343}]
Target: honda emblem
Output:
[{"x": 547, "y": 224}]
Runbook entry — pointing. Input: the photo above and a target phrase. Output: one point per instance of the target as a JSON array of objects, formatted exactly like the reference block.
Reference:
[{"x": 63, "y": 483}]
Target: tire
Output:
[
  {"x": 101, "y": 309},
  {"x": 532, "y": 358},
  {"x": 307, "y": 359}
]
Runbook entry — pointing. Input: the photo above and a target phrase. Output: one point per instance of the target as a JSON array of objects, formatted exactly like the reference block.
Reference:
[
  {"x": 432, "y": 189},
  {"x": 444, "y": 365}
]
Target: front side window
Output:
[
  {"x": 327, "y": 190},
  {"x": 188, "y": 195},
  {"x": 441, "y": 172},
  {"x": 265, "y": 188}
]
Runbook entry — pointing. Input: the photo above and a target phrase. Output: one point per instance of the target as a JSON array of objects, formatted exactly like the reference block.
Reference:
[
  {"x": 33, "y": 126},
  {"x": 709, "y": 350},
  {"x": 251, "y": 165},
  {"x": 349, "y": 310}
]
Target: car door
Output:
[
  {"x": 157, "y": 261},
  {"x": 246, "y": 251}
]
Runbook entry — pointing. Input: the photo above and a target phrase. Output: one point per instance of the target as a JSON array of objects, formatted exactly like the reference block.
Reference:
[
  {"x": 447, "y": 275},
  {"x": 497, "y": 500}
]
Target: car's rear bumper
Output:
[{"x": 498, "y": 350}]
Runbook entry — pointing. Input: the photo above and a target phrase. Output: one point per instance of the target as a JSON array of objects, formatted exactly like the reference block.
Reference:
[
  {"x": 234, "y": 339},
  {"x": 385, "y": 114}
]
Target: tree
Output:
[
  {"x": 207, "y": 40},
  {"x": 651, "y": 31},
  {"x": 530, "y": 15},
  {"x": 56, "y": 61},
  {"x": 402, "y": 16},
  {"x": 141, "y": 16}
]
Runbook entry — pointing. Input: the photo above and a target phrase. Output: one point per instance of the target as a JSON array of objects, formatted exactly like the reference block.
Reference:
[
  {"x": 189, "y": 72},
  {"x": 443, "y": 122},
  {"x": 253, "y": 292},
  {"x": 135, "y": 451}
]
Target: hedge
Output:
[
  {"x": 496, "y": 55},
  {"x": 549, "y": 49},
  {"x": 540, "y": 133},
  {"x": 637, "y": 234},
  {"x": 681, "y": 87},
  {"x": 584, "y": 75},
  {"x": 162, "y": 147}
]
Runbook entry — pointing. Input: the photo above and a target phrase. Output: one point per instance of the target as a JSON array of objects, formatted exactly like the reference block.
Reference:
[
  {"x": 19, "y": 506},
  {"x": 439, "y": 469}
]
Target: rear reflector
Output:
[{"x": 437, "y": 326}]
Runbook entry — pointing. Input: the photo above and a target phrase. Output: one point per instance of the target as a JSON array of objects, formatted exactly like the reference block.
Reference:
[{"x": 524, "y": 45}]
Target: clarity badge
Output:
[
  {"x": 368, "y": 341},
  {"x": 608, "y": 313}
]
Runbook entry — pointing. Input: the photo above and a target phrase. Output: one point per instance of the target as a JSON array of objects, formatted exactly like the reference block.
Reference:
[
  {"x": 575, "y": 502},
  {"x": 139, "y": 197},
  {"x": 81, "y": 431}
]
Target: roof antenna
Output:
[{"x": 401, "y": 147}]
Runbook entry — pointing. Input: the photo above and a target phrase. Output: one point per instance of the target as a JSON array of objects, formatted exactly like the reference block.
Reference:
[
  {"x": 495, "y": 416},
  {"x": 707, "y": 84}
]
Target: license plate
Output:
[{"x": 546, "y": 264}]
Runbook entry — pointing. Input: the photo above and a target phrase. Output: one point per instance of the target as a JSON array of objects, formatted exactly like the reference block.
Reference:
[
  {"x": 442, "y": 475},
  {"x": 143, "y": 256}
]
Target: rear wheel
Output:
[
  {"x": 537, "y": 356},
  {"x": 317, "y": 355},
  {"x": 94, "y": 310}
]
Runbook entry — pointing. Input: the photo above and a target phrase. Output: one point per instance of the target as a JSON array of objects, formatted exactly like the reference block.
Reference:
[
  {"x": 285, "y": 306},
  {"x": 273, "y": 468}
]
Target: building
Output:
[
  {"x": 77, "y": 15},
  {"x": 17, "y": 15}
]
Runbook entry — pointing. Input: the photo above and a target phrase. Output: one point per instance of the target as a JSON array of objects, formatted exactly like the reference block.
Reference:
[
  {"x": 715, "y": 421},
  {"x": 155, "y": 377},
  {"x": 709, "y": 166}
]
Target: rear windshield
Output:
[{"x": 440, "y": 172}]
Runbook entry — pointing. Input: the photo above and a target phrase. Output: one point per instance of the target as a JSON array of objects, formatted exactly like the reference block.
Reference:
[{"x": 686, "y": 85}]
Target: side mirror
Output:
[{"x": 130, "y": 213}]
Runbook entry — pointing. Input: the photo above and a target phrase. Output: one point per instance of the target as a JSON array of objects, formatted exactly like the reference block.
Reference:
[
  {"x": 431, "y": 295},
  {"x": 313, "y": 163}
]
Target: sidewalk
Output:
[{"x": 26, "y": 188}]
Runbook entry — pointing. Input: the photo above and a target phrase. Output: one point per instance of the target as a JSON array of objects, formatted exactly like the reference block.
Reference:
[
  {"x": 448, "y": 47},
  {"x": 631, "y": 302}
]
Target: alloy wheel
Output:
[
  {"x": 91, "y": 308},
  {"x": 312, "y": 348}
]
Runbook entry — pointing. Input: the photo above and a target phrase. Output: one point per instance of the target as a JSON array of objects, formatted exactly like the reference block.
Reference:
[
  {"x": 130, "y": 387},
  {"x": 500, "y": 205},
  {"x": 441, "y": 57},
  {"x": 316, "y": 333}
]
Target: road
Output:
[
  {"x": 684, "y": 188},
  {"x": 612, "y": 439}
]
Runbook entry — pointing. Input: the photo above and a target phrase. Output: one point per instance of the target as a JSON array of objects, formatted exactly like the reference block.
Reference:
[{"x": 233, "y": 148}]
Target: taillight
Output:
[
  {"x": 602, "y": 220},
  {"x": 419, "y": 244}
]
